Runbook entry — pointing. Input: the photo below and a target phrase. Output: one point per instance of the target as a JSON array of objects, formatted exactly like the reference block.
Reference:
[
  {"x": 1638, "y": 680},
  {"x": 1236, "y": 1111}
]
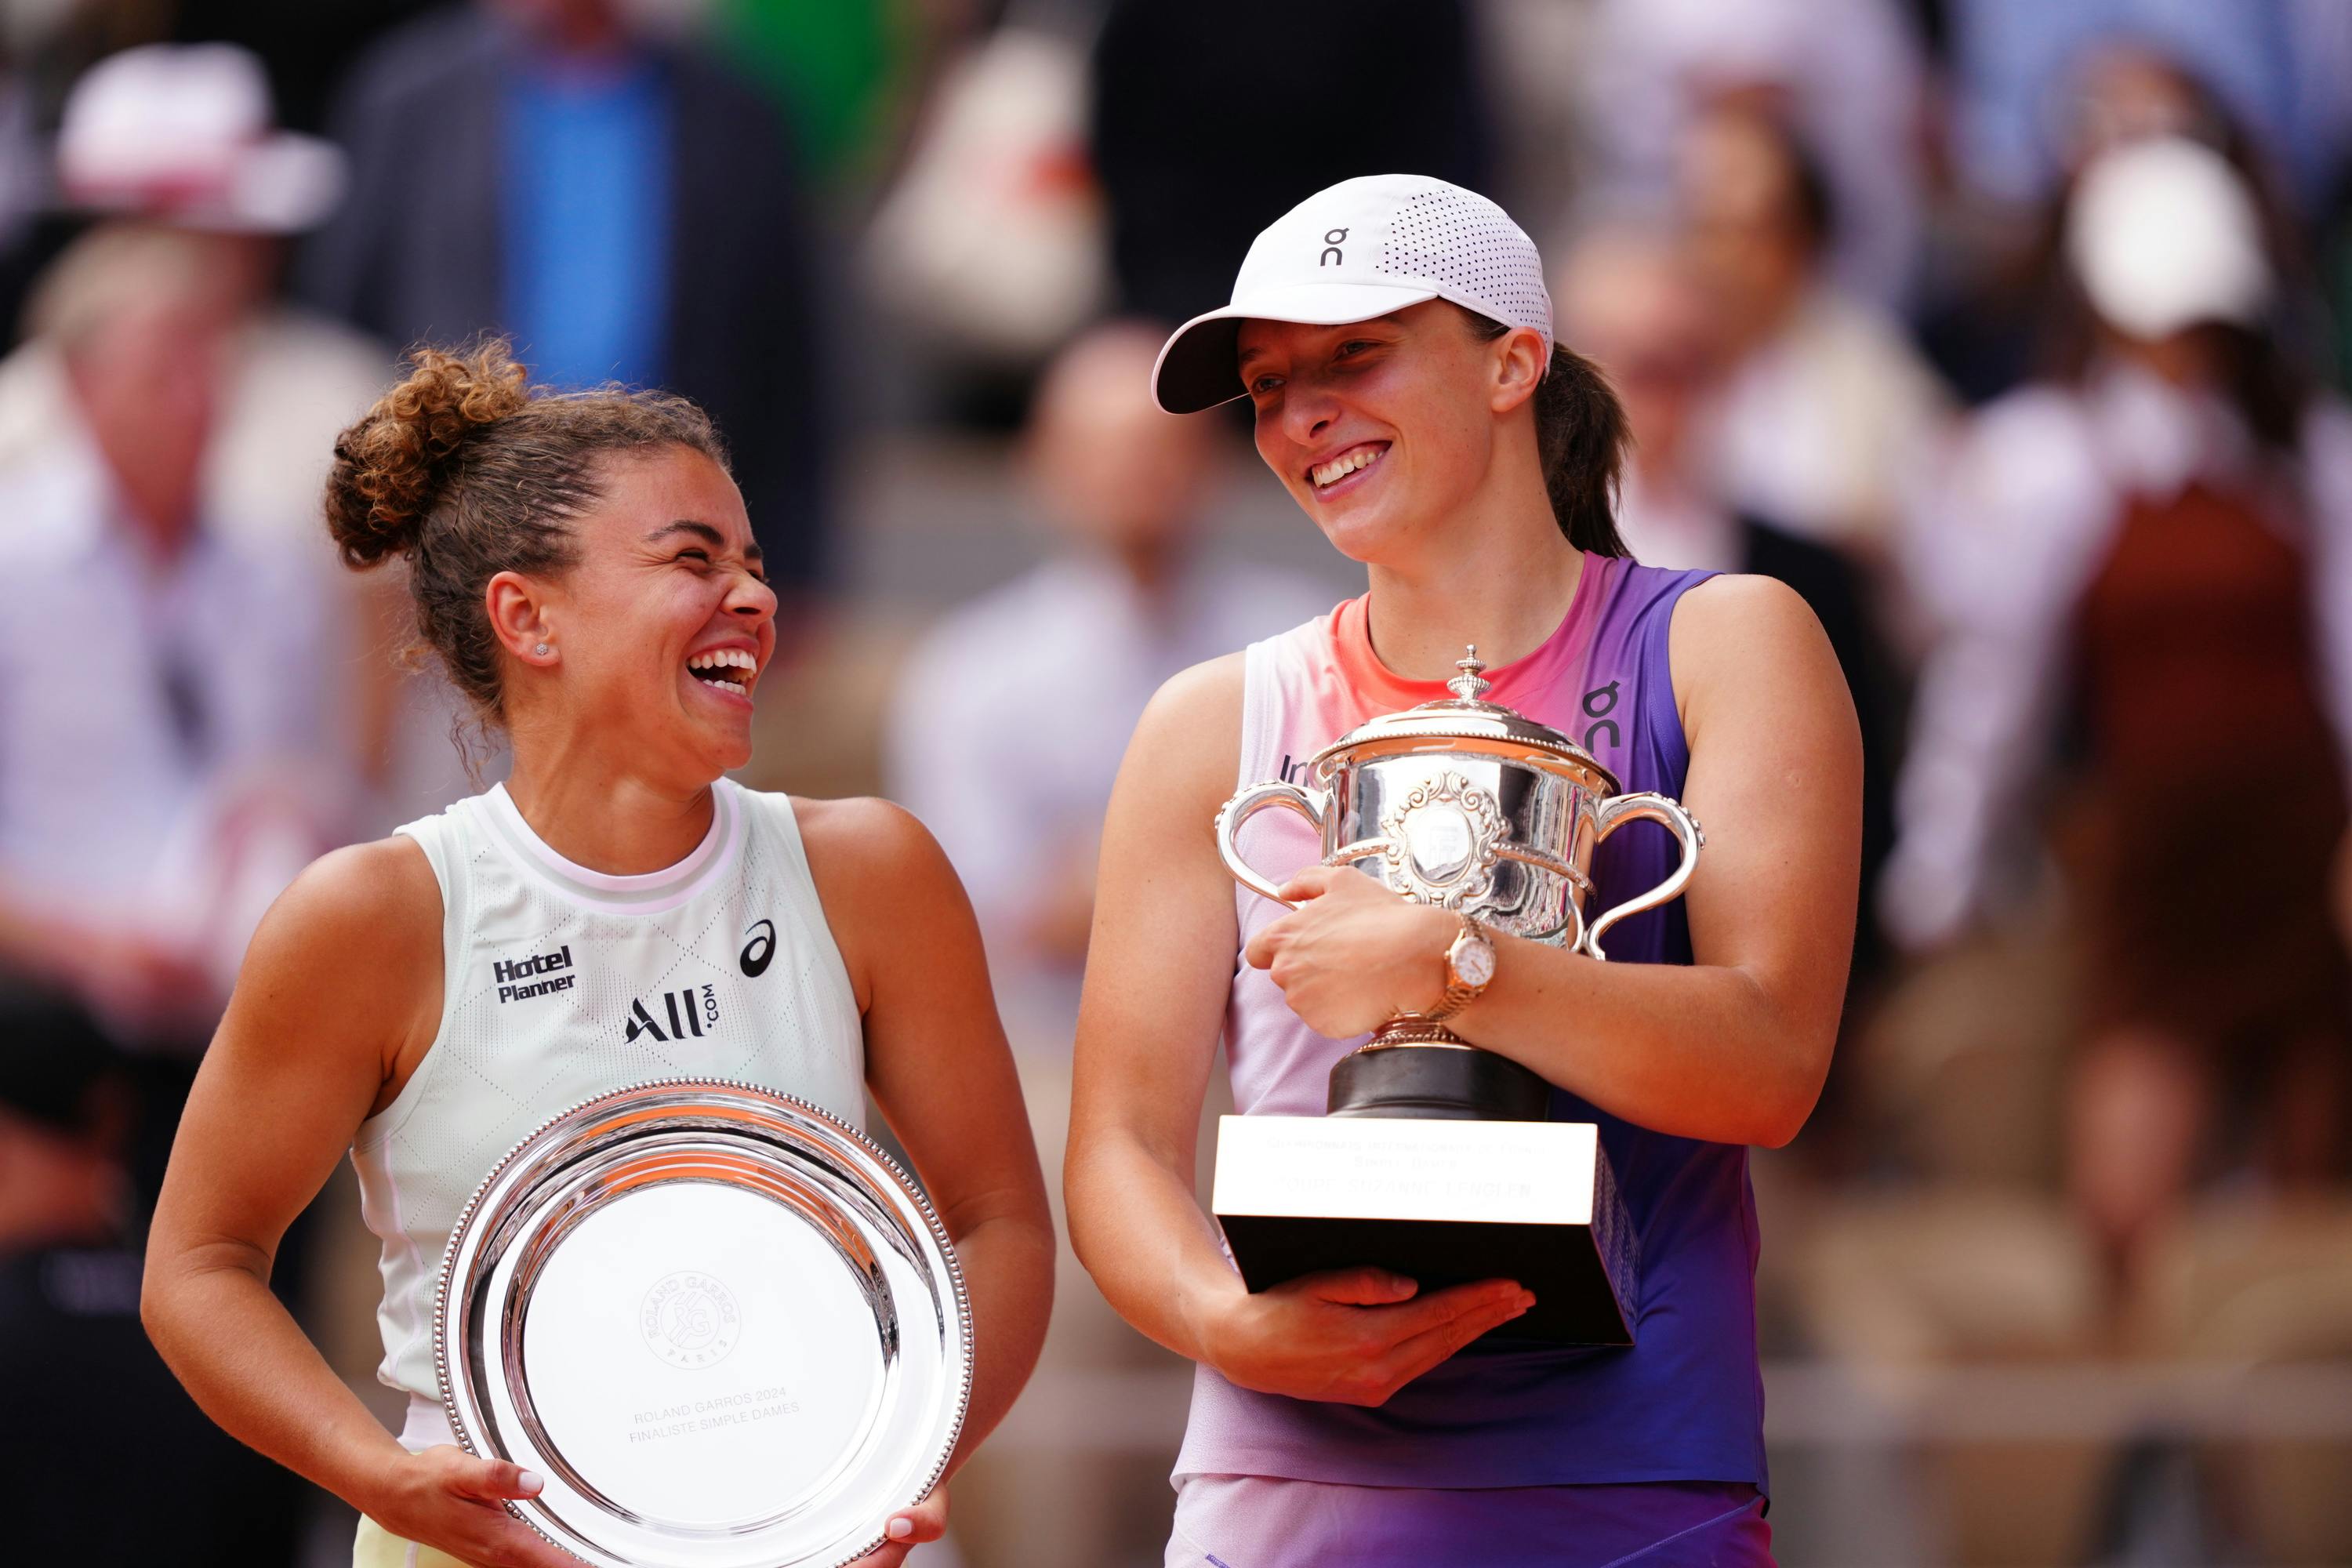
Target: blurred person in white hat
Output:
[
  {"x": 1393, "y": 337},
  {"x": 181, "y": 139},
  {"x": 182, "y": 135},
  {"x": 2145, "y": 561}
]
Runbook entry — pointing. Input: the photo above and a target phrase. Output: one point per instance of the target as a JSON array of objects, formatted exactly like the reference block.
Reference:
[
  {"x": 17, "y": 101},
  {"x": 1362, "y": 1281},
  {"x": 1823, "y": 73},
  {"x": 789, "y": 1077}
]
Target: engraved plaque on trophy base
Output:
[{"x": 1442, "y": 1202}]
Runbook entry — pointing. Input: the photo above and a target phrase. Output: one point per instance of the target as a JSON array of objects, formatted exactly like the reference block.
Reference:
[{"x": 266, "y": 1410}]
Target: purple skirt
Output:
[{"x": 1263, "y": 1522}]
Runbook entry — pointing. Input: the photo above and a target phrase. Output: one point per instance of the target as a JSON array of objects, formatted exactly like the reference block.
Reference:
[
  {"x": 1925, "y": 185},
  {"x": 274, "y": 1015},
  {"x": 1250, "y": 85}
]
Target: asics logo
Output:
[{"x": 756, "y": 953}]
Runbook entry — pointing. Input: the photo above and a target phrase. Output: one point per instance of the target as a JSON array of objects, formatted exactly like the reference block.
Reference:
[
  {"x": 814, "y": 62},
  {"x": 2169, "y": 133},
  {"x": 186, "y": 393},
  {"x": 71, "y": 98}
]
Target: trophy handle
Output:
[
  {"x": 1613, "y": 814},
  {"x": 1248, "y": 804}
]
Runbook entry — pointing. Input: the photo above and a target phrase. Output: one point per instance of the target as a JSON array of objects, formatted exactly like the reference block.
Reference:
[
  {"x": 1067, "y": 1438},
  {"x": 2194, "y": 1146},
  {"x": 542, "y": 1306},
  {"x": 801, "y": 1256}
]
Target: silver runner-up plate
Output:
[{"x": 725, "y": 1327}]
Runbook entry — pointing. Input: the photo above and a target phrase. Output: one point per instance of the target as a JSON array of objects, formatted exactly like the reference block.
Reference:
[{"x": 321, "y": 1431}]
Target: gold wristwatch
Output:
[{"x": 1469, "y": 969}]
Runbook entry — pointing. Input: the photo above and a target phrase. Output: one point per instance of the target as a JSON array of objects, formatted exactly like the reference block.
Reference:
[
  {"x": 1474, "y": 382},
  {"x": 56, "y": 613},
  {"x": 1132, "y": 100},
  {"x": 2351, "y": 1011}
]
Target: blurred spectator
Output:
[
  {"x": 2279, "y": 65},
  {"x": 625, "y": 207},
  {"x": 1827, "y": 409},
  {"x": 115, "y": 1464},
  {"x": 1013, "y": 712},
  {"x": 167, "y": 686},
  {"x": 1191, "y": 102},
  {"x": 1629, "y": 300},
  {"x": 2158, "y": 550},
  {"x": 1007, "y": 729},
  {"x": 1847, "y": 73},
  {"x": 182, "y": 135},
  {"x": 2002, "y": 296}
]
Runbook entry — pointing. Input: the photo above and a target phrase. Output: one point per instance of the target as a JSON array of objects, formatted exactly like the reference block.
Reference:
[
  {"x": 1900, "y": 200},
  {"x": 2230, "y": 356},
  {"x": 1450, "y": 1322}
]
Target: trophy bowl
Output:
[
  {"x": 1469, "y": 806},
  {"x": 722, "y": 1324}
]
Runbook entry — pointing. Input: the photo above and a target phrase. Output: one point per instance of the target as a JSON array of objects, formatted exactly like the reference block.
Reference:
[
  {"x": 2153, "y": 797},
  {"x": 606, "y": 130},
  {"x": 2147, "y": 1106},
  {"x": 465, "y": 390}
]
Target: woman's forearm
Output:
[
  {"x": 1691, "y": 1050},
  {"x": 1008, "y": 1268},
  {"x": 248, "y": 1365},
  {"x": 1153, "y": 1254}
]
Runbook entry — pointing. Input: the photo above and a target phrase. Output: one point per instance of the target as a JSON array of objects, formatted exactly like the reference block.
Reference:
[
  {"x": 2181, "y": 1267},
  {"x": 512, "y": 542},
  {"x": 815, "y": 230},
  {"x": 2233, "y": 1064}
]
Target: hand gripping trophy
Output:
[{"x": 1437, "y": 1159}]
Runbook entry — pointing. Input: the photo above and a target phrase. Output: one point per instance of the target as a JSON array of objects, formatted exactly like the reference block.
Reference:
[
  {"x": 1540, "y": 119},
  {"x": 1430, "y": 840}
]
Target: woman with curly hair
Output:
[{"x": 582, "y": 566}]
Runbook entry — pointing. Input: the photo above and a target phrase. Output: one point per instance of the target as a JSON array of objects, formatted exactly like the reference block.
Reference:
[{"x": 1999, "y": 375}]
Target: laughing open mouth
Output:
[{"x": 725, "y": 669}]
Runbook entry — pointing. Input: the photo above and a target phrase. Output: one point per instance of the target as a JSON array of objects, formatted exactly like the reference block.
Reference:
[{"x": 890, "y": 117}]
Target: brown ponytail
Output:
[
  {"x": 467, "y": 470},
  {"x": 1580, "y": 436}
]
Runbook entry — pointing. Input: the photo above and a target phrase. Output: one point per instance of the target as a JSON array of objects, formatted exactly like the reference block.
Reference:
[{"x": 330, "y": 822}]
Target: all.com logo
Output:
[{"x": 689, "y": 1319}]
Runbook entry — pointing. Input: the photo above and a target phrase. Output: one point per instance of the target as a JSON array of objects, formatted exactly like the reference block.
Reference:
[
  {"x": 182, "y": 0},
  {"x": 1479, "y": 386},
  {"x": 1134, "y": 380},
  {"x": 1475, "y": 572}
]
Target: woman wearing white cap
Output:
[
  {"x": 2159, "y": 546},
  {"x": 1395, "y": 338}
]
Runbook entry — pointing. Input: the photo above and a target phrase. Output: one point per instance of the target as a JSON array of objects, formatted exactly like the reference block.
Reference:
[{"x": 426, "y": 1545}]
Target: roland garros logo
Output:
[{"x": 690, "y": 1320}]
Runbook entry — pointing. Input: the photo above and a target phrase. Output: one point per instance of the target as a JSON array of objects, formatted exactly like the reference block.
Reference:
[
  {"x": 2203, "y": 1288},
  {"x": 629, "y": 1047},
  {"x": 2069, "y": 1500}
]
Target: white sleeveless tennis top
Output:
[{"x": 561, "y": 983}]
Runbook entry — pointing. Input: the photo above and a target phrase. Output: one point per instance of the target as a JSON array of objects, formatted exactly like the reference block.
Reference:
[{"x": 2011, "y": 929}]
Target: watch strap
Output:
[{"x": 1459, "y": 993}]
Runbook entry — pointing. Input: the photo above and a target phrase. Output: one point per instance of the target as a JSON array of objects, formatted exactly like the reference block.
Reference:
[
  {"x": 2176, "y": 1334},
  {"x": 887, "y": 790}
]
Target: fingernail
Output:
[
  {"x": 1527, "y": 1300},
  {"x": 901, "y": 1528},
  {"x": 530, "y": 1482}
]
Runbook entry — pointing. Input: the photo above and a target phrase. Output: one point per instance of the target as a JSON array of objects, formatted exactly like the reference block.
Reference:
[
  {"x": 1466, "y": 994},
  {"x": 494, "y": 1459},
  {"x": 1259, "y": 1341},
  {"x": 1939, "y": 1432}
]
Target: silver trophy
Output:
[
  {"x": 723, "y": 1325},
  {"x": 1469, "y": 806}
]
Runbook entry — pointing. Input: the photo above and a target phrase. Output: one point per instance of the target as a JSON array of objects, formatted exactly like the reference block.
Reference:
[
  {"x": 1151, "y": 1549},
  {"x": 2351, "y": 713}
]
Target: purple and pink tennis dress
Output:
[{"x": 1646, "y": 1457}]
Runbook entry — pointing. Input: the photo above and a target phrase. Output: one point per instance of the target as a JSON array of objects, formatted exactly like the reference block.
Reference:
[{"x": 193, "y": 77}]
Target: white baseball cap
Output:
[
  {"x": 1361, "y": 249},
  {"x": 2165, "y": 236},
  {"x": 186, "y": 133}
]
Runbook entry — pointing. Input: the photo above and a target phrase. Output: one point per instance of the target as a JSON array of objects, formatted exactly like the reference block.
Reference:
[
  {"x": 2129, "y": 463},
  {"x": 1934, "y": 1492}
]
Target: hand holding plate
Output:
[
  {"x": 926, "y": 1520},
  {"x": 449, "y": 1500}
]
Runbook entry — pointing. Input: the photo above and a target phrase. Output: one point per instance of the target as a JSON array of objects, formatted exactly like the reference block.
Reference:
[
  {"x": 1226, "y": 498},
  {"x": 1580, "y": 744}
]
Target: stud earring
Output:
[{"x": 542, "y": 650}]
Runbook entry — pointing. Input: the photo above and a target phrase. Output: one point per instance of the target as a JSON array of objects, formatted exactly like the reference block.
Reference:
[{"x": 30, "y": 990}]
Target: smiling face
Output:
[
  {"x": 660, "y": 631},
  {"x": 1383, "y": 430}
]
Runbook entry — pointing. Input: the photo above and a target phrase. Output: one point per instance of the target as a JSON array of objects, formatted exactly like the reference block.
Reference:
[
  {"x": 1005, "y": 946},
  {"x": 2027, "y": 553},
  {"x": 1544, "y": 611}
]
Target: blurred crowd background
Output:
[{"x": 2010, "y": 332}]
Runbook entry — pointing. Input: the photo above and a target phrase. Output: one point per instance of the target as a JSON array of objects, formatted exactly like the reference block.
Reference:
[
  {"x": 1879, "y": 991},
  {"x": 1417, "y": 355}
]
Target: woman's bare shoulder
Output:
[
  {"x": 854, "y": 838},
  {"x": 1191, "y": 733},
  {"x": 368, "y": 917},
  {"x": 1750, "y": 644},
  {"x": 383, "y": 890},
  {"x": 1740, "y": 606}
]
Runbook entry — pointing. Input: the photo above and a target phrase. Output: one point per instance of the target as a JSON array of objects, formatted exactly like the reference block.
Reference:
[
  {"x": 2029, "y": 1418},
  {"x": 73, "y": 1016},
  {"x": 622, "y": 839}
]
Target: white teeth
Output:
[
  {"x": 1347, "y": 463},
  {"x": 723, "y": 658}
]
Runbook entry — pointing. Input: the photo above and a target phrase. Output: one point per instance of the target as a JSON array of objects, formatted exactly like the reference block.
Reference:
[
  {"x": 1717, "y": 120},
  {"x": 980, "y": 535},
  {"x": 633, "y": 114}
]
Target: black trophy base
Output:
[
  {"x": 1436, "y": 1083},
  {"x": 1442, "y": 1202}
]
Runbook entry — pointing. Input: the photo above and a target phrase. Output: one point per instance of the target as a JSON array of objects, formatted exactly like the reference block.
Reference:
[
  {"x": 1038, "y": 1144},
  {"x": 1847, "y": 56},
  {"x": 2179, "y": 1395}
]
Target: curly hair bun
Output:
[{"x": 389, "y": 467}]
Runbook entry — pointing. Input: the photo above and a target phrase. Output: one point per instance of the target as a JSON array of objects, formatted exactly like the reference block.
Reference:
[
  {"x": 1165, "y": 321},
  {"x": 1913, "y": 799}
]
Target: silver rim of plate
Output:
[{"x": 726, "y": 1328}]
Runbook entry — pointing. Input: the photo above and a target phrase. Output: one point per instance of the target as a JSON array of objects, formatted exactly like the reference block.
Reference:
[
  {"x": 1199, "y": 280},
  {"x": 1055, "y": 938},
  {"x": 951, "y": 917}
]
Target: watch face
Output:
[{"x": 1473, "y": 962}]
